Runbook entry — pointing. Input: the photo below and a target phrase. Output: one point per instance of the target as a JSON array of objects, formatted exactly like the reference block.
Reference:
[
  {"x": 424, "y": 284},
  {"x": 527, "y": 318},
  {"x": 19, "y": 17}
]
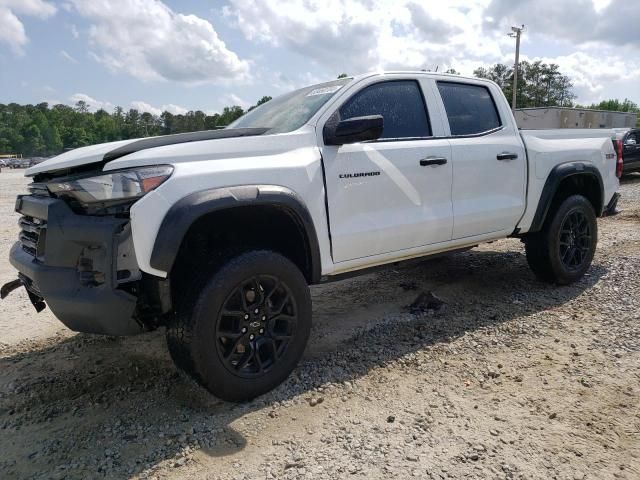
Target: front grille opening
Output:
[{"x": 32, "y": 235}]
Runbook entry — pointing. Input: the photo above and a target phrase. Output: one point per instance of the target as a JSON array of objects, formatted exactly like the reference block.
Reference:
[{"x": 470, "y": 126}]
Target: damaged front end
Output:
[{"x": 79, "y": 258}]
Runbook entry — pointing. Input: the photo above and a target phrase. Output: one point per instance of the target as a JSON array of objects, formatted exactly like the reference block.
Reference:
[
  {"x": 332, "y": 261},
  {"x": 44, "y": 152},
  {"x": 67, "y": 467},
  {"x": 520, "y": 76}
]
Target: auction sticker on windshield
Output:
[{"x": 324, "y": 90}]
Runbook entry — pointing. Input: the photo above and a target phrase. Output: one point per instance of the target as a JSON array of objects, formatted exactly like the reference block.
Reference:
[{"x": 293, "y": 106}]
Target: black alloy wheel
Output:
[
  {"x": 240, "y": 328},
  {"x": 255, "y": 326},
  {"x": 575, "y": 240},
  {"x": 563, "y": 250}
]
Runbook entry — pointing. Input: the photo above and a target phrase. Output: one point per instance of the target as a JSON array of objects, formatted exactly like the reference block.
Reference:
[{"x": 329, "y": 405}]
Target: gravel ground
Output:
[{"x": 508, "y": 378}]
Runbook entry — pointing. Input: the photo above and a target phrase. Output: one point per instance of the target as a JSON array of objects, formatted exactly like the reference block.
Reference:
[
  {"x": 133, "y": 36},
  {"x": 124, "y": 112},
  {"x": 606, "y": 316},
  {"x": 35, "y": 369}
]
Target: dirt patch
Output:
[{"x": 632, "y": 215}]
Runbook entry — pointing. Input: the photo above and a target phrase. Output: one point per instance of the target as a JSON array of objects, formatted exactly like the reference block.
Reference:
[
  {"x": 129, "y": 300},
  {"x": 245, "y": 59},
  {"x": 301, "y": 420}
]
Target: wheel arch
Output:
[
  {"x": 197, "y": 206},
  {"x": 567, "y": 179}
]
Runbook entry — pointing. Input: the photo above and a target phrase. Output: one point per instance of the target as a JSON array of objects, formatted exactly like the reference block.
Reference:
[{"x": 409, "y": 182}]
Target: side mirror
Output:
[{"x": 353, "y": 130}]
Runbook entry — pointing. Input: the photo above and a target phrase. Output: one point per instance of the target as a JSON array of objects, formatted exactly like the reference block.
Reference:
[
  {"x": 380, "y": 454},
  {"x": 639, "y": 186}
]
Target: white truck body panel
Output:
[
  {"x": 291, "y": 160},
  {"x": 547, "y": 149},
  {"x": 408, "y": 211}
]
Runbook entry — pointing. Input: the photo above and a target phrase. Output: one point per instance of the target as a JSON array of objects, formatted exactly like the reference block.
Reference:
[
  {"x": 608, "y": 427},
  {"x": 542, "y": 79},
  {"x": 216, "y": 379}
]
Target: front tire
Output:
[
  {"x": 562, "y": 251},
  {"x": 241, "y": 331}
]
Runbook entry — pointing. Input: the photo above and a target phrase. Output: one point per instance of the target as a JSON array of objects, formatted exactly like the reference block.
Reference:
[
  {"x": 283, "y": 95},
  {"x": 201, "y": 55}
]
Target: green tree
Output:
[
  {"x": 211, "y": 122},
  {"x": 230, "y": 114},
  {"x": 615, "y": 105},
  {"x": 33, "y": 142},
  {"x": 132, "y": 127},
  {"x": 539, "y": 84},
  {"x": 82, "y": 106},
  {"x": 45, "y": 129},
  {"x": 52, "y": 140},
  {"x": 264, "y": 99},
  {"x": 105, "y": 129}
]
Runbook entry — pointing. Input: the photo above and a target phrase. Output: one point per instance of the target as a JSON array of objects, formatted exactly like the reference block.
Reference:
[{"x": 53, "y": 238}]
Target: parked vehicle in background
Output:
[
  {"x": 20, "y": 163},
  {"x": 37, "y": 160},
  {"x": 627, "y": 144},
  {"x": 216, "y": 235}
]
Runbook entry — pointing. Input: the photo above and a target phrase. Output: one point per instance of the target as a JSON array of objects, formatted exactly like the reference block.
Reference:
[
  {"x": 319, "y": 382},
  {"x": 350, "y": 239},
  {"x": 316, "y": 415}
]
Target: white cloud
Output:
[
  {"x": 594, "y": 41},
  {"x": 139, "y": 105},
  {"x": 170, "y": 107},
  {"x": 174, "y": 109},
  {"x": 599, "y": 40},
  {"x": 92, "y": 103},
  {"x": 12, "y": 30},
  {"x": 600, "y": 5},
  {"x": 149, "y": 41},
  {"x": 37, "y": 8},
  {"x": 593, "y": 75},
  {"x": 433, "y": 29},
  {"x": 360, "y": 35},
  {"x": 342, "y": 34},
  {"x": 232, "y": 99},
  {"x": 145, "y": 107},
  {"x": 74, "y": 31},
  {"x": 613, "y": 22},
  {"x": 67, "y": 56}
]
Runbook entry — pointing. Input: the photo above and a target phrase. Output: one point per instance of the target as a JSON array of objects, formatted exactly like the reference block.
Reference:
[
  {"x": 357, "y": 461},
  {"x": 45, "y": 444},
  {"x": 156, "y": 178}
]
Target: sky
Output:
[{"x": 181, "y": 55}]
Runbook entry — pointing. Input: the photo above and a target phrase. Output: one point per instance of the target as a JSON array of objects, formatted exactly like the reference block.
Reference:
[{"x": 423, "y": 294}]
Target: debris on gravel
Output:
[{"x": 426, "y": 302}]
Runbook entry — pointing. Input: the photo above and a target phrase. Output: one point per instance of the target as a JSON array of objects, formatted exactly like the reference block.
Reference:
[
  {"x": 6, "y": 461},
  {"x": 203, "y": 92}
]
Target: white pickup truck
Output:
[{"x": 217, "y": 235}]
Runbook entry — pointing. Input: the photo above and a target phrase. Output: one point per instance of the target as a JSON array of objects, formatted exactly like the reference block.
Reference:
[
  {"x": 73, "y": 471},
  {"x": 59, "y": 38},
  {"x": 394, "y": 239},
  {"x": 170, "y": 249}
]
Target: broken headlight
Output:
[{"x": 112, "y": 187}]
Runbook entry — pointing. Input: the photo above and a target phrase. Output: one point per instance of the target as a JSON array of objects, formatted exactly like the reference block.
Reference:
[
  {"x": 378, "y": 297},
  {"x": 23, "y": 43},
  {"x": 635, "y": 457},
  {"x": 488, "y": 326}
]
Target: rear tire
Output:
[
  {"x": 562, "y": 251},
  {"x": 241, "y": 330}
]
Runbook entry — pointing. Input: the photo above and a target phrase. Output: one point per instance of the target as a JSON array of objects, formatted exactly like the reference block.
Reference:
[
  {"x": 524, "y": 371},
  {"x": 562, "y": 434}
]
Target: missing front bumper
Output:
[{"x": 77, "y": 272}]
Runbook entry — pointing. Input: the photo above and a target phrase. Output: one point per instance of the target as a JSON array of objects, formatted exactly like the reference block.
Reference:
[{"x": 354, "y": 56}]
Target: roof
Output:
[{"x": 420, "y": 72}]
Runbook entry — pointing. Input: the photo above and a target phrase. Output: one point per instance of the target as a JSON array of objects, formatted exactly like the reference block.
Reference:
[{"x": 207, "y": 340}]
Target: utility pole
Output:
[{"x": 516, "y": 32}]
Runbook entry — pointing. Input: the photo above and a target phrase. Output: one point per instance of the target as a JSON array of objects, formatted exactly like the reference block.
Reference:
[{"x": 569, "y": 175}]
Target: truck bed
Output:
[{"x": 547, "y": 149}]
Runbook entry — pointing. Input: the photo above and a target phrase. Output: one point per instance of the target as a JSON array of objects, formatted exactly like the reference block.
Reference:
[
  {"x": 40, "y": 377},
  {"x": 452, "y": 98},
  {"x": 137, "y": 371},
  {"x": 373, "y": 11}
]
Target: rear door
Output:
[
  {"x": 489, "y": 162},
  {"x": 389, "y": 194}
]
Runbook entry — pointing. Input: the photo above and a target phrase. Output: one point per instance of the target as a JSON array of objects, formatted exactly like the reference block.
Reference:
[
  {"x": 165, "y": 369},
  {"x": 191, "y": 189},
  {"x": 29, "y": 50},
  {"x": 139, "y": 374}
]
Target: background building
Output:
[{"x": 565, "y": 117}]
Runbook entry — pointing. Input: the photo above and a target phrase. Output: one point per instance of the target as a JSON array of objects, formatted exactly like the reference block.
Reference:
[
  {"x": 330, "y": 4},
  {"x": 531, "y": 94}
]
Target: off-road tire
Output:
[
  {"x": 192, "y": 332},
  {"x": 543, "y": 249}
]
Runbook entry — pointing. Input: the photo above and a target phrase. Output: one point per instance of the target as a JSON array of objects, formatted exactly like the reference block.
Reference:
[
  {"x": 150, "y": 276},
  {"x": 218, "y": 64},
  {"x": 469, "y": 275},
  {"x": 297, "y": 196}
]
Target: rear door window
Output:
[
  {"x": 399, "y": 102},
  {"x": 470, "y": 108}
]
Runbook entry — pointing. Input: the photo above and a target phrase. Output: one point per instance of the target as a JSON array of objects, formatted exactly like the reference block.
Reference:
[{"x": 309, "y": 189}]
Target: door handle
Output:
[
  {"x": 425, "y": 162},
  {"x": 507, "y": 156}
]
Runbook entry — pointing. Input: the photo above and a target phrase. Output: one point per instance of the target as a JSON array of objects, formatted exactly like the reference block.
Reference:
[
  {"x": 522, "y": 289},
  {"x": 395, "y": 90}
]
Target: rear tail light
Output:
[{"x": 620, "y": 161}]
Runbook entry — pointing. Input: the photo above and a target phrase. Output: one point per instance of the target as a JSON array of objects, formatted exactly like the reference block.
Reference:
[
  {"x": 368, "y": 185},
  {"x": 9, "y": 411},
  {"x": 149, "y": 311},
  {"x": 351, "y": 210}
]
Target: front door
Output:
[{"x": 394, "y": 193}]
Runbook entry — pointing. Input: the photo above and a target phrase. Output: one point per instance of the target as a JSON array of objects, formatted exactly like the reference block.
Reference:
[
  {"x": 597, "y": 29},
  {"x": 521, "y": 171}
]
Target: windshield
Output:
[{"x": 289, "y": 112}]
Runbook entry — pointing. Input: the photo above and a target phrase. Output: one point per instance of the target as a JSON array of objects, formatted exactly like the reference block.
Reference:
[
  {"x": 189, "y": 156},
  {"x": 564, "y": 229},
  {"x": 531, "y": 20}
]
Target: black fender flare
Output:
[
  {"x": 189, "y": 209},
  {"x": 556, "y": 176}
]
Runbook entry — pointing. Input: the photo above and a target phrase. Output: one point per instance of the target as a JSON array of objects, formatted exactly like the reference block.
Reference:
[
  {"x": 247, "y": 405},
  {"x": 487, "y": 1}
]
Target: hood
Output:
[
  {"x": 76, "y": 157},
  {"x": 106, "y": 152}
]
